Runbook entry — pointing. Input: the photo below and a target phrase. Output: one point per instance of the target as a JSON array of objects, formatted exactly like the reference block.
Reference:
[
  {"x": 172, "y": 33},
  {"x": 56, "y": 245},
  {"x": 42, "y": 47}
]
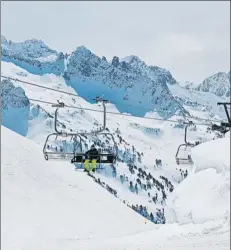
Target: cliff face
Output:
[
  {"x": 15, "y": 108},
  {"x": 218, "y": 84},
  {"x": 127, "y": 83}
]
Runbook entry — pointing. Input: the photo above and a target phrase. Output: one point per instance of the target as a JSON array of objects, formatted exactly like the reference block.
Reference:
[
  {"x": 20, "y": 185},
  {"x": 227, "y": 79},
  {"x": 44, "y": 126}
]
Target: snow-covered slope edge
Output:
[{"x": 205, "y": 195}]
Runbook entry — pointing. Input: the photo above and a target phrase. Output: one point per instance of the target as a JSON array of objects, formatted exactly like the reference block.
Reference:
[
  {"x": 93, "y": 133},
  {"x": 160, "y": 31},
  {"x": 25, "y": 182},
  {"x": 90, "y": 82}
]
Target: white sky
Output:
[{"x": 191, "y": 39}]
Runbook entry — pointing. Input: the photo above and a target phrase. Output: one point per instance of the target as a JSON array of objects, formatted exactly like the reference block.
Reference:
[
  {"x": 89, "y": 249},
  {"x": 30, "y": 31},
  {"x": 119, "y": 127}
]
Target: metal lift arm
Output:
[
  {"x": 227, "y": 113},
  {"x": 185, "y": 134}
]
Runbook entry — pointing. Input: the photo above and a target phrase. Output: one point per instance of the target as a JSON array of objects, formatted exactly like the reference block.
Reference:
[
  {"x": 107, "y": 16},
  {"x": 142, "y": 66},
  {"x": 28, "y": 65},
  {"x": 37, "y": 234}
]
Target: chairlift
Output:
[
  {"x": 105, "y": 155},
  {"x": 74, "y": 150},
  {"x": 183, "y": 154},
  {"x": 61, "y": 145}
]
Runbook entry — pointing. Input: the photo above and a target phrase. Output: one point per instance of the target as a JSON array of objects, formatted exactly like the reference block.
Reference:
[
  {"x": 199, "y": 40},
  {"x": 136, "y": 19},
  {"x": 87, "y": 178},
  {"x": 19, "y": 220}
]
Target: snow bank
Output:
[
  {"x": 205, "y": 194},
  {"x": 212, "y": 154}
]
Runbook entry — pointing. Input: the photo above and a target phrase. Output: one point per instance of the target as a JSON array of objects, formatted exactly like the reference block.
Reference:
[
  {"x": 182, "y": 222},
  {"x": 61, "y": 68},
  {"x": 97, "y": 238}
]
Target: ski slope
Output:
[{"x": 49, "y": 206}]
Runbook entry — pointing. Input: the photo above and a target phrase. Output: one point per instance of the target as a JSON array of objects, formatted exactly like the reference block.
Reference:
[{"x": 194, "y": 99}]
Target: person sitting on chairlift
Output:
[{"x": 91, "y": 156}]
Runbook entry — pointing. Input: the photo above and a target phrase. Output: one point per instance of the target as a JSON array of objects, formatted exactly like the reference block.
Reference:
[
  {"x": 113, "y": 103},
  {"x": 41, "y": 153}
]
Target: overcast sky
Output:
[{"x": 191, "y": 39}]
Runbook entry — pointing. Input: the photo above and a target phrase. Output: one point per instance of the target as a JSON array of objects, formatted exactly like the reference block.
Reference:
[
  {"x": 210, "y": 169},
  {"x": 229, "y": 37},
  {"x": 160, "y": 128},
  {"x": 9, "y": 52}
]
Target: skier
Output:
[{"x": 91, "y": 157}]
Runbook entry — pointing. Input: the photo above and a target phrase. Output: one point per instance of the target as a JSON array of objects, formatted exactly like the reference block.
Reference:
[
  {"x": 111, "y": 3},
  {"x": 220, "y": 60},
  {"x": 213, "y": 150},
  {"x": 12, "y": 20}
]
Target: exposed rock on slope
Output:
[
  {"x": 33, "y": 55},
  {"x": 218, "y": 84},
  {"x": 142, "y": 88},
  {"x": 15, "y": 108}
]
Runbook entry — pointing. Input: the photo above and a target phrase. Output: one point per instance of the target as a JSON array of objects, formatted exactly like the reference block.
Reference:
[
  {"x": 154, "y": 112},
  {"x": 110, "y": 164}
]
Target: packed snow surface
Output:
[{"x": 45, "y": 204}]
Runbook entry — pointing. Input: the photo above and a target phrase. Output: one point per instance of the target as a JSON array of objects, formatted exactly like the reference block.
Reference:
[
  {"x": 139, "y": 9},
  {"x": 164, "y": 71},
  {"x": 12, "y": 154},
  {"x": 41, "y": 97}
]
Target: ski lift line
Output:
[
  {"x": 109, "y": 112},
  {"x": 113, "y": 113},
  {"x": 39, "y": 86},
  {"x": 36, "y": 100},
  {"x": 62, "y": 105},
  {"x": 64, "y": 92}
]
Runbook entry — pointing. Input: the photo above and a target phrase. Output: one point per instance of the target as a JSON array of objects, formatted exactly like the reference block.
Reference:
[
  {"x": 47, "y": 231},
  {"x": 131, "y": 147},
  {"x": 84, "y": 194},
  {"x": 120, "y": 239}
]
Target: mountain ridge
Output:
[{"x": 135, "y": 83}]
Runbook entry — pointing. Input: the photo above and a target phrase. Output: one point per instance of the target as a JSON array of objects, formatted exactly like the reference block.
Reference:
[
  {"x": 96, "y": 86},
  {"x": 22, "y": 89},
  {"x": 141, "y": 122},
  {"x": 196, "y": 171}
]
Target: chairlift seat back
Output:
[{"x": 101, "y": 158}]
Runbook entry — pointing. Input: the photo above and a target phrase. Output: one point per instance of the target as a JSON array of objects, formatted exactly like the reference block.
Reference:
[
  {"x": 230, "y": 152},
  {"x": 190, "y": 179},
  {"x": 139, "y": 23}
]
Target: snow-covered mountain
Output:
[
  {"x": 153, "y": 72},
  {"x": 218, "y": 84},
  {"x": 199, "y": 103},
  {"x": 187, "y": 85},
  {"x": 140, "y": 88},
  {"x": 33, "y": 55}
]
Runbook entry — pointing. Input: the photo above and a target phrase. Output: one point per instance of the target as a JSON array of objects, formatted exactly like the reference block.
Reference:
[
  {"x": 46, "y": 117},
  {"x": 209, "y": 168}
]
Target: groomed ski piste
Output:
[{"x": 47, "y": 206}]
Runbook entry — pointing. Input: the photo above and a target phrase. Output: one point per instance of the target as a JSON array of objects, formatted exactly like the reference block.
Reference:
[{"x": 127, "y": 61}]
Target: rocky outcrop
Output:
[{"x": 15, "y": 107}]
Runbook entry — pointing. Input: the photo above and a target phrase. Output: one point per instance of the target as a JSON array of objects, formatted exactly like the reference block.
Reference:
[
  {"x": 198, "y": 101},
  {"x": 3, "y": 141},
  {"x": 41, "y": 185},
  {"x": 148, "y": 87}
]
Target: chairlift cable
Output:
[{"x": 68, "y": 93}]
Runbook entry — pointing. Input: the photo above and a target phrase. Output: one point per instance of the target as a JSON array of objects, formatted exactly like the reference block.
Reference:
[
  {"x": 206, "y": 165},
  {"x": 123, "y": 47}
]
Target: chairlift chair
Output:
[
  {"x": 102, "y": 157},
  {"x": 183, "y": 154},
  {"x": 56, "y": 140},
  {"x": 78, "y": 156},
  {"x": 55, "y": 148}
]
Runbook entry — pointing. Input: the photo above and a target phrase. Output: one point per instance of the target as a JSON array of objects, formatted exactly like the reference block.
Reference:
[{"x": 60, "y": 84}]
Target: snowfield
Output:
[{"x": 49, "y": 206}]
